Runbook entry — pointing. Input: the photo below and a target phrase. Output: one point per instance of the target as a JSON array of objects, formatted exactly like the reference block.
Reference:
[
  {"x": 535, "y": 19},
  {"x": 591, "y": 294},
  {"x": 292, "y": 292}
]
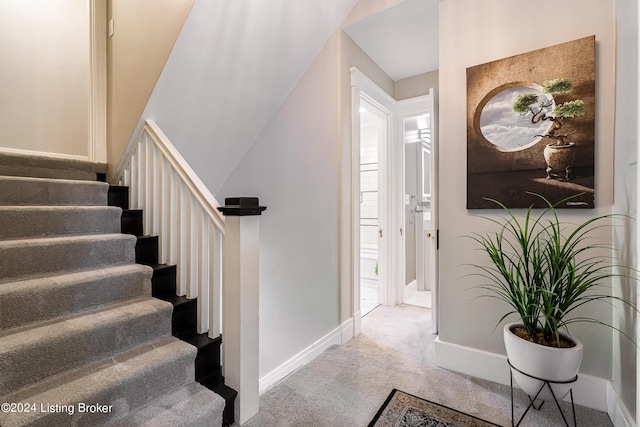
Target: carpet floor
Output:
[{"x": 346, "y": 385}]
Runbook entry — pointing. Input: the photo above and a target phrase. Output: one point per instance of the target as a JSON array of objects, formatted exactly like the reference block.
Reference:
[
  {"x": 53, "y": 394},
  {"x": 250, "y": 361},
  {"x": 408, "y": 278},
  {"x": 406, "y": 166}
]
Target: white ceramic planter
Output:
[{"x": 548, "y": 363}]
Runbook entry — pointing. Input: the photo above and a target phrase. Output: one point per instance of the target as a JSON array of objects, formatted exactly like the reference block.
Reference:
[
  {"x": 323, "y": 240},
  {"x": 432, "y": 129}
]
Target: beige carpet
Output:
[{"x": 347, "y": 384}]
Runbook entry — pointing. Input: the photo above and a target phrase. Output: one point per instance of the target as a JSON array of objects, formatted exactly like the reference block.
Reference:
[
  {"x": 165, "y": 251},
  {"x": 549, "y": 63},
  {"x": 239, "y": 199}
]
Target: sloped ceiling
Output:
[
  {"x": 402, "y": 40},
  {"x": 232, "y": 66}
]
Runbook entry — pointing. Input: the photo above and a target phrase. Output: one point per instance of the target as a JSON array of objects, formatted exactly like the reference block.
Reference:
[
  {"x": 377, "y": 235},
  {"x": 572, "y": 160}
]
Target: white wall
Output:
[
  {"x": 472, "y": 33},
  {"x": 626, "y": 191},
  {"x": 44, "y": 70},
  {"x": 293, "y": 168},
  {"x": 233, "y": 65}
]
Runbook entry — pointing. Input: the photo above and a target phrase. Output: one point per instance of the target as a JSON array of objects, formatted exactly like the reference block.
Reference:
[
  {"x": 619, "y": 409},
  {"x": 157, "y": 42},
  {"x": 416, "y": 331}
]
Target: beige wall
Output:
[
  {"x": 144, "y": 34},
  {"x": 416, "y": 86},
  {"x": 44, "y": 70},
  {"x": 473, "y": 33}
]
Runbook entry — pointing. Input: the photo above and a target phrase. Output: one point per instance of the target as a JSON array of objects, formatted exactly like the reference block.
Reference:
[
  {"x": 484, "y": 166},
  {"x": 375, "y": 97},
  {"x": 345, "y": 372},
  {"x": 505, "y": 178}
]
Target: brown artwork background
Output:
[{"x": 507, "y": 176}]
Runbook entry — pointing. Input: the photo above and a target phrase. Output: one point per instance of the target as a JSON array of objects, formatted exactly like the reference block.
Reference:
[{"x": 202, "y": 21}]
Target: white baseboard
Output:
[
  {"x": 348, "y": 330},
  {"x": 589, "y": 391},
  {"x": 357, "y": 323},
  {"x": 305, "y": 356},
  {"x": 42, "y": 154},
  {"x": 409, "y": 290},
  {"x": 617, "y": 410}
]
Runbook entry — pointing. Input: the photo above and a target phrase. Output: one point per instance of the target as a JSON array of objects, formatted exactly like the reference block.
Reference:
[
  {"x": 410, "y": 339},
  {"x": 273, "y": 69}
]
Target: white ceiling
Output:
[{"x": 402, "y": 40}]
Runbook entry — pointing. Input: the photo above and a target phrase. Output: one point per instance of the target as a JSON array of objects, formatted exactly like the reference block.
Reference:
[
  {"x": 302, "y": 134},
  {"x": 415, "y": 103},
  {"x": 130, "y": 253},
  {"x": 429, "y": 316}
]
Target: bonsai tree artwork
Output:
[
  {"x": 536, "y": 106},
  {"x": 560, "y": 154}
]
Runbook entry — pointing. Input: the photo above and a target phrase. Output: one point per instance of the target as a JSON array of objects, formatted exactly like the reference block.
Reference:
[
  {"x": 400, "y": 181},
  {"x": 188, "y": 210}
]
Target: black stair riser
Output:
[
  {"x": 184, "y": 321},
  {"x": 118, "y": 196},
  {"x": 147, "y": 250},
  {"x": 208, "y": 358},
  {"x": 163, "y": 281},
  {"x": 131, "y": 222}
]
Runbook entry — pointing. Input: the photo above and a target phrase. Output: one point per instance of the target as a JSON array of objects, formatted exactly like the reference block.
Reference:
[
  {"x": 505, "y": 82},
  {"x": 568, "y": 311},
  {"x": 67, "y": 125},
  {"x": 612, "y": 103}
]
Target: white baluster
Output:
[
  {"x": 192, "y": 287},
  {"x": 126, "y": 177},
  {"x": 215, "y": 293},
  {"x": 183, "y": 255},
  {"x": 174, "y": 231},
  {"x": 148, "y": 185},
  {"x": 135, "y": 180},
  {"x": 165, "y": 216},
  {"x": 156, "y": 195},
  {"x": 203, "y": 272}
]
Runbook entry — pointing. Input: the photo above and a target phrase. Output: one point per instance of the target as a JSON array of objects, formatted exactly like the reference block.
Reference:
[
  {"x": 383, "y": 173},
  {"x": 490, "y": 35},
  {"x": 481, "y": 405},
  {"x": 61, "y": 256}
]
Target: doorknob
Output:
[{"x": 428, "y": 234}]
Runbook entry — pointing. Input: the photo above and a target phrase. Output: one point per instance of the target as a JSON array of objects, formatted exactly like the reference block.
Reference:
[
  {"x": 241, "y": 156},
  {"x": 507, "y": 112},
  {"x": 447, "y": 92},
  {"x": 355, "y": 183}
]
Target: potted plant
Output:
[
  {"x": 560, "y": 154},
  {"x": 545, "y": 270}
]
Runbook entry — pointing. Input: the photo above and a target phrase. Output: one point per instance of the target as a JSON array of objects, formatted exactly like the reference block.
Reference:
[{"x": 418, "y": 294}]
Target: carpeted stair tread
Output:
[
  {"x": 77, "y": 320},
  {"x": 49, "y": 221},
  {"x": 51, "y": 192},
  {"x": 28, "y": 301},
  {"x": 30, "y": 258},
  {"x": 189, "y": 406},
  {"x": 32, "y": 355},
  {"x": 15, "y": 164},
  {"x": 127, "y": 382}
]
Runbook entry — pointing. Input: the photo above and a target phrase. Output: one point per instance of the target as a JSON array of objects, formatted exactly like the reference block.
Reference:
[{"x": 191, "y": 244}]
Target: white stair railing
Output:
[{"x": 183, "y": 213}]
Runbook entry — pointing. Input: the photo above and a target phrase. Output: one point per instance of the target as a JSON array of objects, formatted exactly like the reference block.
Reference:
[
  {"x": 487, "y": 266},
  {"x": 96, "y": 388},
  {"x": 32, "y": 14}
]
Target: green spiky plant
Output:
[{"x": 546, "y": 270}]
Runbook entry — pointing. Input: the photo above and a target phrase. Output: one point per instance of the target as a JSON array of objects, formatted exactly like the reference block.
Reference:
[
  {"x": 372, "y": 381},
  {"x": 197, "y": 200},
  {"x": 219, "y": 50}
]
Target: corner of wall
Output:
[{"x": 145, "y": 32}]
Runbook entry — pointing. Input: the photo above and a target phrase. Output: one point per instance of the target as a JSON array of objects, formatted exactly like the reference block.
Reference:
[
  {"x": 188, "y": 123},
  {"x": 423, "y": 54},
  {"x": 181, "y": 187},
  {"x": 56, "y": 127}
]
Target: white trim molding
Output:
[
  {"x": 348, "y": 330},
  {"x": 302, "y": 358},
  {"x": 617, "y": 410},
  {"x": 589, "y": 391},
  {"x": 42, "y": 154}
]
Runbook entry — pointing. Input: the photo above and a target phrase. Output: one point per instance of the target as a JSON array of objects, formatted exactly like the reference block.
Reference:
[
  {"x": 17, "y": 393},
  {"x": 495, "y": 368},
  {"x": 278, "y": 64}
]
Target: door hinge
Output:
[{"x": 380, "y": 232}]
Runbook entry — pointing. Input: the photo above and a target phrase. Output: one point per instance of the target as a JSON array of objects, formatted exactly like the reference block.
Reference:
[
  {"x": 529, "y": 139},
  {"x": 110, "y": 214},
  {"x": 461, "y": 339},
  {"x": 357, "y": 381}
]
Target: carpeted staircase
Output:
[{"x": 82, "y": 341}]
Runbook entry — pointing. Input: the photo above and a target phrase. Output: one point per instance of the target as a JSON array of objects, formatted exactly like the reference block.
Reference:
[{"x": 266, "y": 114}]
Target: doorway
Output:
[
  {"x": 417, "y": 209},
  {"x": 379, "y": 198},
  {"x": 418, "y": 257}
]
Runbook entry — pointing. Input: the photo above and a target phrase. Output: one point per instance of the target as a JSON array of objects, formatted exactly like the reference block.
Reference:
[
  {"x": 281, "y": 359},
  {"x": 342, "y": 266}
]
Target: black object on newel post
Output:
[{"x": 241, "y": 206}]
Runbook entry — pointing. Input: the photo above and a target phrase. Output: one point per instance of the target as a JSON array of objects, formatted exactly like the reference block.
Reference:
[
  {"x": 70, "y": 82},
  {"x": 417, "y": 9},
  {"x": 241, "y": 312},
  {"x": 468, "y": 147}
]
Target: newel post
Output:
[{"x": 240, "y": 293}]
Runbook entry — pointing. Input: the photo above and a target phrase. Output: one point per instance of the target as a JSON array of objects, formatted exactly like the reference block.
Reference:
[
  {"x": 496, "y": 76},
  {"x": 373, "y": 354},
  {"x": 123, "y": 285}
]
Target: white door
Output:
[{"x": 374, "y": 132}]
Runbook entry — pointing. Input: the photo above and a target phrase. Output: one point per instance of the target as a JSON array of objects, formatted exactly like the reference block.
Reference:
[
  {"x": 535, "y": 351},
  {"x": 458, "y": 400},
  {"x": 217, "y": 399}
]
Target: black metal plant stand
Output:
[{"x": 545, "y": 383}]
